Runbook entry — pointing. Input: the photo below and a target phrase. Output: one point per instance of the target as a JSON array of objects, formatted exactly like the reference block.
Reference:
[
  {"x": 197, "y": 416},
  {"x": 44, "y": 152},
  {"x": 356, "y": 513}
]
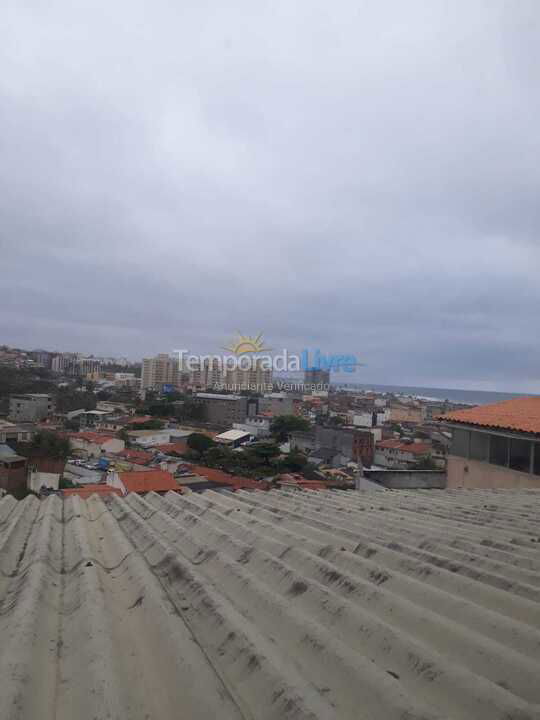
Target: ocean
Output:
[{"x": 469, "y": 397}]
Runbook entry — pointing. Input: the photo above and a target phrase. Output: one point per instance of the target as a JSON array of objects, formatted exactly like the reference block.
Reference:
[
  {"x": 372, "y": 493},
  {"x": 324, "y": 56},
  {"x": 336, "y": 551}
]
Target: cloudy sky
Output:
[{"x": 356, "y": 176}]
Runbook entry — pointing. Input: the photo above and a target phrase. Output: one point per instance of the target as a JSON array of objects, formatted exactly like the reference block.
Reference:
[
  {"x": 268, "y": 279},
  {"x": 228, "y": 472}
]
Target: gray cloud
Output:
[{"x": 362, "y": 178}]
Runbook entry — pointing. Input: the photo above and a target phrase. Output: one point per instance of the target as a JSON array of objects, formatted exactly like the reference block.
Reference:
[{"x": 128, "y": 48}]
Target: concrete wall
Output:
[
  {"x": 463, "y": 472},
  {"x": 38, "y": 479},
  {"x": 408, "y": 479}
]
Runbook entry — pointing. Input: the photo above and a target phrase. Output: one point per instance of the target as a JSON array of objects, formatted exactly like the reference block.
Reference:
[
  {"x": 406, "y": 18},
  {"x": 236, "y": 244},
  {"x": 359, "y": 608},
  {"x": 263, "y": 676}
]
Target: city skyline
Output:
[{"x": 363, "y": 178}]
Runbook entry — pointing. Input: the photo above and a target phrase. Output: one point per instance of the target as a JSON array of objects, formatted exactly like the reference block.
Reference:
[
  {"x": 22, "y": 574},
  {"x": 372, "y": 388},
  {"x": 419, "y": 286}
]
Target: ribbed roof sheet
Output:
[{"x": 269, "y": 606}]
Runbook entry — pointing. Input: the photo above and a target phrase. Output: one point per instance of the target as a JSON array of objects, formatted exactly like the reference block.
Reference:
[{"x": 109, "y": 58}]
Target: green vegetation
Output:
[
  {"x": 283, "y": 425},
  {"x": 257, "y": 461},
  {"x": 150, "y": 425},
  {"x": 50, "y": 444},
  {"x": 426, "y": 463},
  {"x": 23, "y": 380},
  {"x": 200, "y": 443},
  {"x": 173, "y": 405}
]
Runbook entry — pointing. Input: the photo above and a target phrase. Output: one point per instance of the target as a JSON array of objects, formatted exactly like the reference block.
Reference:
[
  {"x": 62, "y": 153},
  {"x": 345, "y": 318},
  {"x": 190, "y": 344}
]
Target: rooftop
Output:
[
  {"x": 217, "y": 396},
  {"x": 287, "y": 605},
  {"x": 412, "y": 447},
  {"x": 231, "y": 435},
  {"x": 521, "y": 414},
  {"x": 88, "y": 490},
  {"x": 143, "y": 481}
]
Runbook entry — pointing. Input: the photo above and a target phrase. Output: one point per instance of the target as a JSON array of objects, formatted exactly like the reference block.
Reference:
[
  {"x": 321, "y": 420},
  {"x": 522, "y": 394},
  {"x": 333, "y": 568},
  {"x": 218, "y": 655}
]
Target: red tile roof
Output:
[
  {"x": 135, "y": 456},
  {"x": 521, "y": 414},
  {"x": 223, "y": 478},
  {"x": 89, "y": 490},
  {"x": 148, "y": 481},
  {"x": 395, "y": 444},
  {"x": 136, "y": 419},
  {"x": 176, "y": 448}
]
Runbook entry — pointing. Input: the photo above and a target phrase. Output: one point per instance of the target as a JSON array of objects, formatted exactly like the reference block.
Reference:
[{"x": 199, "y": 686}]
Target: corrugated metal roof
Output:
[{"x": 299, "y": 605}]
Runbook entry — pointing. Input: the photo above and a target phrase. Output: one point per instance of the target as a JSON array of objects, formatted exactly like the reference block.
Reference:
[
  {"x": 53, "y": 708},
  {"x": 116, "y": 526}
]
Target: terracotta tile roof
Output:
[
  {"x": 521, "y": 414},
  {"x": 395, "y": 444},
  {"x": 138, "y": 419},
  {"x": 89, "y": 490},
  {"x": 223, "y": 478},
  {"x": 136, "y": 456},
  {"x": 148, "y": 480},
  {"x": 178, "y": 448}
]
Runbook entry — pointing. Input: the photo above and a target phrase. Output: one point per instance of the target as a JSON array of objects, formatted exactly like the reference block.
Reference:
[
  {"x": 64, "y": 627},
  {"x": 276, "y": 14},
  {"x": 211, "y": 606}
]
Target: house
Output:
[
  {"x": 401, "y": 454},
  {"x": 16, "y": 433},
  {"x": 158, "y": 481},
  {"x": 151, "y": 438},
  {"x": 88, "y": 418},
  {"x": 233, "y": 438},
  {"x": 216, "y": 479},
  {"x": 335, "y": 445},
  {"x": 258, "y": 425},
  {"x": 12, "y": 469},
  {"x": 495, "y": 446},
  {"x": 94, "y": 443},
  {"x": 138, "y": 457},
  {"x": 176, "y": 449}
]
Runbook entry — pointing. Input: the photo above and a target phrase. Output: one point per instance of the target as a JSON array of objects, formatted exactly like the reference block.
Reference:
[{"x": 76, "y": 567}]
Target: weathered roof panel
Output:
[{"x": 285, "y": 604}]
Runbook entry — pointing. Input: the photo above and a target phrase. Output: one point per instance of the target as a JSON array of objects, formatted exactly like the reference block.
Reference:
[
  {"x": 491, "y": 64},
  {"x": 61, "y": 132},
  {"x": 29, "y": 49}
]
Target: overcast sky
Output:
[{"x": 362, "y": 177}]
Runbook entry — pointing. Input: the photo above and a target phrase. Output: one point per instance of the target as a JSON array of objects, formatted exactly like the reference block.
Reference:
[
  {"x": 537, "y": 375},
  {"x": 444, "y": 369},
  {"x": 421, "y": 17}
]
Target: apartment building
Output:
[
  {"x": 316, "y": 377},
  {"x": 159, "y": 371},
  {"x": 257, "y": 378},
  {"x": 30, "y": 407},
  {"x": 495, "y": 446},
  {"x": 75, "y": 365},
  {"x": 226, "y": 409}
]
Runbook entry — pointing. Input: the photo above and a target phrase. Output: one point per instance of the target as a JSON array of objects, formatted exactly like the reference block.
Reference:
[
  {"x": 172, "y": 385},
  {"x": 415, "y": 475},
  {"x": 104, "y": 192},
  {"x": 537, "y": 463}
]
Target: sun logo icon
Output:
[{"x": 247, "y": 344}]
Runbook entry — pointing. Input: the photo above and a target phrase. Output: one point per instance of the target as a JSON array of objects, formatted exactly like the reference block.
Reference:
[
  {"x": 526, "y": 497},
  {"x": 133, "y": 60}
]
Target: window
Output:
[
  {"x": 479, "y": 446},
  {"x": 498, "y": 454},
  {"x": 460, "y": 443},
  {"x": 520, "y": 455}
]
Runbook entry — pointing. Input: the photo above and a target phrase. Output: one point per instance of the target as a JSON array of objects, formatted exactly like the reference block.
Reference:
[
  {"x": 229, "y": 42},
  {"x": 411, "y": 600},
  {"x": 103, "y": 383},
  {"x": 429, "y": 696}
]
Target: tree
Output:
[
  {"x": 50, "y": 444},
  {"x": 261, "y": 453},
  {"x": 199, "y": 442},
  {"x": 293, "y": 462},
  {"x": 283, "y": 425},
  {"x": 151, "y": 425}
]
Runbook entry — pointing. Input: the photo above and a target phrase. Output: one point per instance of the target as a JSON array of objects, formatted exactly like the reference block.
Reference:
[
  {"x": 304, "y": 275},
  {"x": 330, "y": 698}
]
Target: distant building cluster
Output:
[{"x": 165, "y": 371}]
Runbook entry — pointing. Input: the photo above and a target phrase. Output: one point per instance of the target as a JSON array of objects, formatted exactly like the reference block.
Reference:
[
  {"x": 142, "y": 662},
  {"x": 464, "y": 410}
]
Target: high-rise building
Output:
[
  {"x": 257, "y": 378},
  {"x": 159, "y": 371},
  {"x": 318, "y": 378}
]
